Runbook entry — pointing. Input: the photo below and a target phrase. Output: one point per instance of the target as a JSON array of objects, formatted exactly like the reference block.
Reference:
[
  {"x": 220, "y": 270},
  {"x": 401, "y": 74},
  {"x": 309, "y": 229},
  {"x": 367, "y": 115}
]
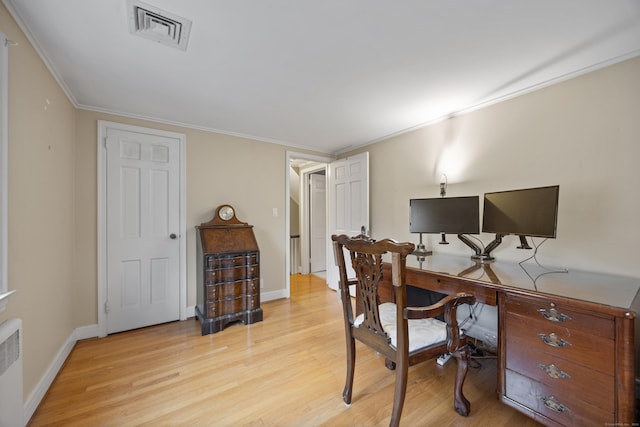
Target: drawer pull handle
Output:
[
  {"x": 553, "y": 404},
  {"x": 552, "y": 340},
  {"x": 553, "y": 371},
  {"x": 554, "y": 315}
]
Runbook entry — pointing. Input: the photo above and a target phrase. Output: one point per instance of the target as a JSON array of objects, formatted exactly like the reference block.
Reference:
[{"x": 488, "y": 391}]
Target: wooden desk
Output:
[{"x": 566, "y": 341}]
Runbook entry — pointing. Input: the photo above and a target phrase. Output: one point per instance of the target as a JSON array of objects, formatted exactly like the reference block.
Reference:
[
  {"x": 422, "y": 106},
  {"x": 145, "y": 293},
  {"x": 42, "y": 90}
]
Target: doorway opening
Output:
[{"x": 306, "y": 215}]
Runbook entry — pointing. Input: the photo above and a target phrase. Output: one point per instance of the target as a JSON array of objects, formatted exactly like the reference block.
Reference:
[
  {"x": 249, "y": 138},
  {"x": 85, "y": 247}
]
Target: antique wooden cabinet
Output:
[{"x": 228, "y": 268}]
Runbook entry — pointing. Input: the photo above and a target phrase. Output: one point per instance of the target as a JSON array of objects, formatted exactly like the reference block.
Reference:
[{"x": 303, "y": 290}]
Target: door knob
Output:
[{"x": 172, "y": 235}]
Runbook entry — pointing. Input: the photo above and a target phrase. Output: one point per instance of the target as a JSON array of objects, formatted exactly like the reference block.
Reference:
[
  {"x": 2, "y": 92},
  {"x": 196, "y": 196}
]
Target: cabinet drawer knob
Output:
[
  {"x": 554, "y": 404},
  {"x": 553, "y": 371},
  {"x": 554, "y": 315},
  {"x": 553, "y": 340}
]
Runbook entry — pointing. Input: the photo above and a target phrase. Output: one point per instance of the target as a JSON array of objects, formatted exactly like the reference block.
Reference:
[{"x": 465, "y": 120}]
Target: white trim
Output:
[
  {"x": 38, "y": 393},
  {"x": 273, "y": 295},
  {"x": 102, "y": 229},
  {"x": 184, "y": 311},
  {"x": 287, "y": 228},
  {"x": 102, "y": 197},
  {"x": 190, "y": 312},
  {"x": 34, "y": 399},
  {"x": 86, "y": 332}
]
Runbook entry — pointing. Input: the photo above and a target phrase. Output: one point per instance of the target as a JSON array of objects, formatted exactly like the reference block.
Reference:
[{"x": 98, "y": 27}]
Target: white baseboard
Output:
[
  {"x": 36, "y": 396},
  {"x": 86, "y": 332},
  {"x": 273, "y": 295},
  {"x": 190, "y": 312},
  {"x": 38, "y": 393}
]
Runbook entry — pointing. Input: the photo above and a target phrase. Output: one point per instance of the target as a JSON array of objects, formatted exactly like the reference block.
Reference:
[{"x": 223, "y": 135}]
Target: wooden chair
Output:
[{"x": 404, "y": 335}]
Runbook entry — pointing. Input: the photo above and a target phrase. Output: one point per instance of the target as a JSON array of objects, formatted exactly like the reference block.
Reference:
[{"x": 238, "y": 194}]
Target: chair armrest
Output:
[
  {"x": 351, "y": 282},
  {"x": 448, "y": 303}
]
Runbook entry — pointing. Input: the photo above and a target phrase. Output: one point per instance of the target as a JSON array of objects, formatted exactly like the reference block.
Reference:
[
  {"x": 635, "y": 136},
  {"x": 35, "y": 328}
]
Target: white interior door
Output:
[
  {"x": 318, "y": 222},
  {"x": 142, "y": 216},
  {"x": 349, "y": 203}
]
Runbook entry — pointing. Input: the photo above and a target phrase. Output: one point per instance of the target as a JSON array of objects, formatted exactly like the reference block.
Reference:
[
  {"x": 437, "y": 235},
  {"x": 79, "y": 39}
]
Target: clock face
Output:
[{"x": 226, "y": 213}]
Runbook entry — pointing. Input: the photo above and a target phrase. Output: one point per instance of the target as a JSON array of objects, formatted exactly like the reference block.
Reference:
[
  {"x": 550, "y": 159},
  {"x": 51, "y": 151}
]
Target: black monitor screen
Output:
[
  {"x": 527, "y": 212},
  {"x": 452, "y": 215}
]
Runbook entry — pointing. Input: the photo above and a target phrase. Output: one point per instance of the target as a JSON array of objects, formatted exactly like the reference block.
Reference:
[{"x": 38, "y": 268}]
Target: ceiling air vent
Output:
[{"x": 158, "y": 25}]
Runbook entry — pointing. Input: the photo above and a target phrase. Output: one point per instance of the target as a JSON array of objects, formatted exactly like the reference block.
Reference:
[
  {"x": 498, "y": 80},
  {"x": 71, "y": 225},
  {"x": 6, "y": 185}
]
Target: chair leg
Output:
[
  {"x": 401, "y": 389},
  {"x": 461, "y": 404},
  {"x": 389, "y": 364},
  {"x": 351, "y": 366}
]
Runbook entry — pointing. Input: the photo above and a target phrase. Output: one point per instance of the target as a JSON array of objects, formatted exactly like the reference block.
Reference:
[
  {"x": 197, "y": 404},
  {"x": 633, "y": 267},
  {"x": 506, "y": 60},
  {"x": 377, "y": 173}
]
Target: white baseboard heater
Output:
[{"x": 11, "y": 406}]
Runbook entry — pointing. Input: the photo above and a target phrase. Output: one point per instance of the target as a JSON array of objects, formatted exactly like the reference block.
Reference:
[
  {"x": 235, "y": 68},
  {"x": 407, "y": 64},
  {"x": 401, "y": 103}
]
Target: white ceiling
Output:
[{"x": 328, "y": 75}]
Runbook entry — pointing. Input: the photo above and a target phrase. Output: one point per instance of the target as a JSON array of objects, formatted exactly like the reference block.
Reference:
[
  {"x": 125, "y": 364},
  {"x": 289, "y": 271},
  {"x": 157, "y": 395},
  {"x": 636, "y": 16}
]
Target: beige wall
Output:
[
  {"x": 41, "y": 206},
  {"x": 582, "y": 134}
]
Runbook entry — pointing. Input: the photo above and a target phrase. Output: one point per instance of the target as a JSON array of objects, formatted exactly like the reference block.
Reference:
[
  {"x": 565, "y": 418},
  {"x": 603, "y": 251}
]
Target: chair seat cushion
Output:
[{"x": 422, "y": 332}]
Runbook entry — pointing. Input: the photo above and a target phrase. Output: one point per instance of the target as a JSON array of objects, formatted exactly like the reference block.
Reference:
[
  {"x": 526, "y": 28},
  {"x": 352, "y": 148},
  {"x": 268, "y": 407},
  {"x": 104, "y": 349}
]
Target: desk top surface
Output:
[{"x": 607, "y": 289}]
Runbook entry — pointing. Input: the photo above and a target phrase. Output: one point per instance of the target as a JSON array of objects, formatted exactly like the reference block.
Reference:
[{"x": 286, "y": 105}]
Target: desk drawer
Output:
[
  {"x": 450, "y": 285},
  {"x": 564, "y": 376},
  {"x": 564, "y": 408},
  {"x": 560, "y": 342},
  {"x": 558, "y": 314}
]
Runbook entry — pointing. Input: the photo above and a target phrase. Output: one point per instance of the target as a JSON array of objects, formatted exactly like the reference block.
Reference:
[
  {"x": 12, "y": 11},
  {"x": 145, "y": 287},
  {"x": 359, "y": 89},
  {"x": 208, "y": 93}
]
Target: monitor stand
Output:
[
  {"x": 421, "y": 250},
  {"x": 523, "y": 242},
  {"x": 481, "y": 255}
]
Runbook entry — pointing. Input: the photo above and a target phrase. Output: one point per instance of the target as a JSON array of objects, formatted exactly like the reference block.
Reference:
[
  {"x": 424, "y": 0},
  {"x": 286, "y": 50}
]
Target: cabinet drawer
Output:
[
  {"x": 233, "y": 289},
  {"x": 573, "y": 345},
  {"x": 559, "y": 314},
  {"x": 564, "y": 376},
  {"x": 231, "y": 305},
  {"x": 214, "y": 262},
  {"x": 564, "y": 408},
  {"x": 232, "y": 273}
]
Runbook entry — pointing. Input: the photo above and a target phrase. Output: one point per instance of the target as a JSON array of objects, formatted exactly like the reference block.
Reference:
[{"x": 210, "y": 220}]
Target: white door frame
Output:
[
  {"x": 102, "y": 216},
  {"x": 305, "y": 255},
  {"x": 287, "y": 235}
]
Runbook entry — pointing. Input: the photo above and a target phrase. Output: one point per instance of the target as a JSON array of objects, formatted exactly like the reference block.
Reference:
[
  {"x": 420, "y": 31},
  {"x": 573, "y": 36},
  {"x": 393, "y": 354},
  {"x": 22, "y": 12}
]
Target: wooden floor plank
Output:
[{"x": 287, "y": 370}]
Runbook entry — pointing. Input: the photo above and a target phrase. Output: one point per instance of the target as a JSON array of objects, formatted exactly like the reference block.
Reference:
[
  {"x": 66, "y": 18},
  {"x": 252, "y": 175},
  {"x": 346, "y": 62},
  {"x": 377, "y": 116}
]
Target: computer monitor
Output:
[
  {"x": 525, "y": 212},
  {"x": 449, "y": 215}
]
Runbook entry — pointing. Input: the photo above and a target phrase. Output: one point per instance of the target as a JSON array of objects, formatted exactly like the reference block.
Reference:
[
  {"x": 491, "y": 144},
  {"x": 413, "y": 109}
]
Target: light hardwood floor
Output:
[{"x": 287, "y": 370}]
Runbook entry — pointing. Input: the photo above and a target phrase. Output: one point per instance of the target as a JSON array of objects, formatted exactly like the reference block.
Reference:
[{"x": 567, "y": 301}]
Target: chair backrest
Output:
[{"x": 366, "y": 258}]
